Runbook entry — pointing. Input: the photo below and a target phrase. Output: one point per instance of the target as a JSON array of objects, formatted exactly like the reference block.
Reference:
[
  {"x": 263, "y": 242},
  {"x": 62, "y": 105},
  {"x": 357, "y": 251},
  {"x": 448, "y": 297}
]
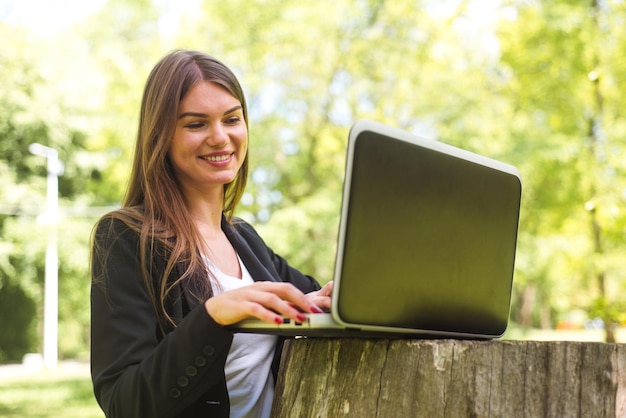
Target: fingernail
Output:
[
  {"x": 278, "y": 320},
  {"x": 301, "y": 317},
  {"x": 316, "y": 309}
]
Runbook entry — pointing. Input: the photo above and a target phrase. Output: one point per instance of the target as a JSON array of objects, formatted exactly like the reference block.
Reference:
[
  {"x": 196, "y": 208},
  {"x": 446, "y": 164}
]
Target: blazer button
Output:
[
  {"x": 208, "y": 350},
  {"x": 174, "y": 393},
  {"x": 183, "y": 381},
  {"x": 191, "y": 371},
  {"x": 200, "y": 361}
]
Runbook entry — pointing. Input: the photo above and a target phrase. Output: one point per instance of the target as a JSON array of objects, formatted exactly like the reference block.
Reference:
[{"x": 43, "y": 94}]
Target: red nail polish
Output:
[
  {"x": 316, "y": 309},
  {"x": 278, "y": 320},
  {"x": 301, "y": 317}
]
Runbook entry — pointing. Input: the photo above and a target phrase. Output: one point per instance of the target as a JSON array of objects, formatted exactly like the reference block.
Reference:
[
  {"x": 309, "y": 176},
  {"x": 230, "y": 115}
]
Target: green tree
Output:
[
  {"x": 552, "y": 56},
  {"x": 34, "y": 108},
  {"x": 536, "y": 84},
  {"x": 346, "y": 61}
]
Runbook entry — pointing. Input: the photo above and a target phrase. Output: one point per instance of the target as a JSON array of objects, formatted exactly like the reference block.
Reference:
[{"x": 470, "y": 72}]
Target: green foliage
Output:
[
  {"x": 536, "y": 84},
  {"x": 33, "y": 109},
  {"x": 17, "y": 314},
  {"x": 553, "y": 54}
]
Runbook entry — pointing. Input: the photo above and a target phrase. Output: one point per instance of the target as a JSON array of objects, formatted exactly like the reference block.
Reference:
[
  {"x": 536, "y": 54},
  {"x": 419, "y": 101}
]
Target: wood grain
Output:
[{"x": 450, "y": 378}]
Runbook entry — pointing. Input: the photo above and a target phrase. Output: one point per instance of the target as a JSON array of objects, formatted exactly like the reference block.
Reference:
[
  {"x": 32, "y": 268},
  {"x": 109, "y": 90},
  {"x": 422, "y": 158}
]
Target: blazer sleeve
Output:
[{"x": 135, "y": 373}]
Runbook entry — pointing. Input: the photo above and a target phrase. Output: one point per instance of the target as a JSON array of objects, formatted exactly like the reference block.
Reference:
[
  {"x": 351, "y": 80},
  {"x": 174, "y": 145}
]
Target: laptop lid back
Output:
[{"x": 427, "y": 236}]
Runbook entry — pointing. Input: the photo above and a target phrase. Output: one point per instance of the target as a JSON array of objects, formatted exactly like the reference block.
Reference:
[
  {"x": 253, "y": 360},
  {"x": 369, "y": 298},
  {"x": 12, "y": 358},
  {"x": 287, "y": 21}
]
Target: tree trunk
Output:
[{"x": 450, "y": 378}]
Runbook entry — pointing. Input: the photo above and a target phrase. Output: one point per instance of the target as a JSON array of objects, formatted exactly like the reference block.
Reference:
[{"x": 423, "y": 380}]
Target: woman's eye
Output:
[
  {"x": 195, "y": 125},
  {"x": 233, "y": 120}
]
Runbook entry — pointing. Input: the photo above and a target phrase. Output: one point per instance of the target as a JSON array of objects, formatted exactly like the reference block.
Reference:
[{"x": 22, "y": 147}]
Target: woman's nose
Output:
[{"x": 217, "y": 137}]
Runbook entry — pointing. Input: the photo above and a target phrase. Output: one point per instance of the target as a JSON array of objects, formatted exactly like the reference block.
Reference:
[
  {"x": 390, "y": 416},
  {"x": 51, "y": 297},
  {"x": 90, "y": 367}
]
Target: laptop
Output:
[{"x": 426, "y": 244}]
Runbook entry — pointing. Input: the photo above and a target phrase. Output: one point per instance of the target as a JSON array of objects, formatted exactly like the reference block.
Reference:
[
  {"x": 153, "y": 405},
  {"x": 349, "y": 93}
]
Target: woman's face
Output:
[{"x": 210, "y": 140}]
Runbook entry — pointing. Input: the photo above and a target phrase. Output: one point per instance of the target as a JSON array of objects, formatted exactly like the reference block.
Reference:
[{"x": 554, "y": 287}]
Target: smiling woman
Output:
[{"x": 172, "y": 269}]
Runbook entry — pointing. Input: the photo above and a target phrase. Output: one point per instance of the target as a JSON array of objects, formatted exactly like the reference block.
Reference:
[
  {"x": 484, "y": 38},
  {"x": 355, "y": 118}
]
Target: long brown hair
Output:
[{"x": 154, "y": 205}]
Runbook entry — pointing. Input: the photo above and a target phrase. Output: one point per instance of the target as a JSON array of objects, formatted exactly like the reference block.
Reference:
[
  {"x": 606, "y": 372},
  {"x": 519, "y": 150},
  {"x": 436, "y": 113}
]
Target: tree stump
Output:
[{"x": 450, "y": 378}]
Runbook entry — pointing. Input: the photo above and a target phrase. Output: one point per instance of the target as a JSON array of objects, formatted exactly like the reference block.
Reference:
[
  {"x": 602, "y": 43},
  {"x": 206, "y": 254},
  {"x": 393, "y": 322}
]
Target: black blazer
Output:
[{"x": 138, "y": 371}]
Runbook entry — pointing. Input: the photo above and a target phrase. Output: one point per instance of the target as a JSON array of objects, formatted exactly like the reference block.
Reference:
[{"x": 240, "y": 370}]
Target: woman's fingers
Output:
[
  {"x": 268, "y": 301},
  {"x": 282, "y": 300},
  {"x": 327, "y": 290},
  {"x": 322, "y": 298}
]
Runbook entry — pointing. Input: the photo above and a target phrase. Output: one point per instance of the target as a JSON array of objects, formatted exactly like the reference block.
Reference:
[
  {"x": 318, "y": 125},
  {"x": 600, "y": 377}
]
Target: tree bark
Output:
[{"x": 450, "y": 378}]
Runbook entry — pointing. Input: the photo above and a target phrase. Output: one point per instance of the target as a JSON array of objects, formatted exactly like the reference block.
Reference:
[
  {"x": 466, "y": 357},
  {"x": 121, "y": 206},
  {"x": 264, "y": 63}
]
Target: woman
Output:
[{"x": 172, "y": 268}]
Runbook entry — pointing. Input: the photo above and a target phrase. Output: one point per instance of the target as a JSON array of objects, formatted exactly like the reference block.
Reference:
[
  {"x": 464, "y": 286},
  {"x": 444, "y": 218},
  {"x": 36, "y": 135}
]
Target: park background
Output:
[{"x": 535, "y": 83}]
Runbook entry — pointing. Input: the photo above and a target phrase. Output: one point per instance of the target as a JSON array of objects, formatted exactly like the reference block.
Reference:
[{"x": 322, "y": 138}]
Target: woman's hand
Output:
[
  {"x": 268, "y": 301},
  {"x": 321, "y": 298}
]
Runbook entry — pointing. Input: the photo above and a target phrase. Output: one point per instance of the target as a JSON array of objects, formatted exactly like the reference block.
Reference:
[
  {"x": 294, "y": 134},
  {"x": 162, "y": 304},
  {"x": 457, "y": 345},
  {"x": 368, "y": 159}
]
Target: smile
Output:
[{"x": 216, "y": 158}]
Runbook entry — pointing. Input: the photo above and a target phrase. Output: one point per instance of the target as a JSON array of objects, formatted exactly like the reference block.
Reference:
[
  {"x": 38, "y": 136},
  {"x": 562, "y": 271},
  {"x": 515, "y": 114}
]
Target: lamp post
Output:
[{"x": 51, "y": 284}]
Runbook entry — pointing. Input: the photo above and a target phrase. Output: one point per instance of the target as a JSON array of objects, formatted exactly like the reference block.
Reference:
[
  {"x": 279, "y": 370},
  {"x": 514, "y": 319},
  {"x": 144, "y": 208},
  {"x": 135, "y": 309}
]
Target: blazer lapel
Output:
[
  {"x": 257, "y": 270},
  {"x": 188, "y": 303}
]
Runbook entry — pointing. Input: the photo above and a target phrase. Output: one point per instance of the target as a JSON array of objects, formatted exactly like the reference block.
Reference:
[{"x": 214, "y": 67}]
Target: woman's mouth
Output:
[{"x": 216, "y": 158}]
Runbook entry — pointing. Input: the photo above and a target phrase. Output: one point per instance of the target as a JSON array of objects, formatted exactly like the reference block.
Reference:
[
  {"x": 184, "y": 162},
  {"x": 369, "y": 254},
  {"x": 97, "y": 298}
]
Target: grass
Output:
[
  {"x": 48, "y": 395},
  {"x": 584, "y": 335}
]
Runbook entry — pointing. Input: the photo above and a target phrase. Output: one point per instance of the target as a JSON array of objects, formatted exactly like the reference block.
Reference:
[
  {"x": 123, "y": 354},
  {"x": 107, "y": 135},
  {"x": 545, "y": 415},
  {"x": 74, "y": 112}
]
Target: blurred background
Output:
[{"x": 535, "y": 83}]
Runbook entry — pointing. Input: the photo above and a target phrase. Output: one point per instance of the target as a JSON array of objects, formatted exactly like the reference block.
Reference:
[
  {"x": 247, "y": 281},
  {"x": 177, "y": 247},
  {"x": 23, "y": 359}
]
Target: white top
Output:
[{"x": 248, "y": 367}]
